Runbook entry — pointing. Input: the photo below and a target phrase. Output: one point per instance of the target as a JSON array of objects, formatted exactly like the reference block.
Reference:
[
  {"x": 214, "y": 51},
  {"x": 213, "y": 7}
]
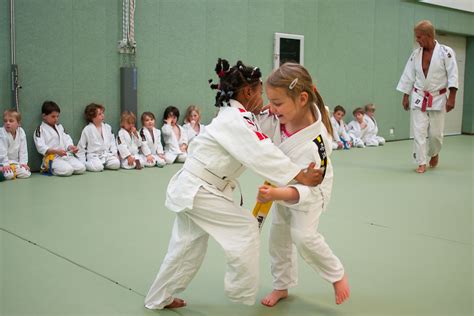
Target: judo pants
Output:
[
  {"x": 67, "y": 165},
  {"x": 96, "y": 164},
  {"x": 427, "y": 124},
  {"x": 144, "y": 163},
  {"x": 20, "y": 173},
  {"x": 234, "y": 229},
  {"x": 172, "y": 157},
  {"x": 293, "y": 230}
]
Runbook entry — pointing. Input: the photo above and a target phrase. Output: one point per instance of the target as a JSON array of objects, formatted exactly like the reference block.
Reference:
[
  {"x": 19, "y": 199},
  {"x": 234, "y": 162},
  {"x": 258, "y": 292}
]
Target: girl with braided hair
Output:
[
  {"x": 201, "y": 193},
  {"x": 299, "y": 124}
]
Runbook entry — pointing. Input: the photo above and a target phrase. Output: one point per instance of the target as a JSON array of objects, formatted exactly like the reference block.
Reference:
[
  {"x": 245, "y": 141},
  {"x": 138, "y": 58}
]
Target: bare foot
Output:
[
  {"x": 341, "y": 290},
  {"x": 177, "y": 303},
  {"x": 138, "y": 165},
  {"x": 273, "y": 298},
  {"x": 421, "y": 169},
  {"x": 434, "y": 161}
]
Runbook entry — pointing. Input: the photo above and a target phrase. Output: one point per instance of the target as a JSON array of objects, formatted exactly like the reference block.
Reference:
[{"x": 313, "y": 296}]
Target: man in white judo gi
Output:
[{"x": 430, "y": 75}]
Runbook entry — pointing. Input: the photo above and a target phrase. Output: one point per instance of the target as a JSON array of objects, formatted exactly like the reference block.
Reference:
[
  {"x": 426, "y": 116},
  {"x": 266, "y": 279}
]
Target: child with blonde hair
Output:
[
  {"x": 299, "y": 124},
  {"x": 371, "y": 138},
  {"x": 152, "y": 138},
  {"x": 174, "y": 137},
  {"x": 129, "y": 143},
  {"x": 192, "y": 122},
  {"x": 97, "y": 147},
  {"x": 13, "y": 147},
  {"x": 55, "y": 144}
]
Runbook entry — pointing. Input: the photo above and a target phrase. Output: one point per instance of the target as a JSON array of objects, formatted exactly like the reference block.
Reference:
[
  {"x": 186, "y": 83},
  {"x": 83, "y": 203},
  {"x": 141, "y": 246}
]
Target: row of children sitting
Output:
[
  {"x": 97, "y": 148},
  {"x": 360, "y": 132}
]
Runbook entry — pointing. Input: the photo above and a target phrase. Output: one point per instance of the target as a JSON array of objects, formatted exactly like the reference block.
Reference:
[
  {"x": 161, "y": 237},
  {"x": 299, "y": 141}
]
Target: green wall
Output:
[
  {"x": 468, "y": 110},
  {"x": 355, "y": 50}
]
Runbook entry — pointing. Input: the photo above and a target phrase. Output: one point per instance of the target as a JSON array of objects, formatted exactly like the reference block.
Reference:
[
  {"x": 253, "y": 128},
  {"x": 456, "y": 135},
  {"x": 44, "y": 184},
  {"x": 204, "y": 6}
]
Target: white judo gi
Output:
[
  {"x": 201, "y": 194},
  {"x": 295, "y": 225},
  {"x": 54, "y": 137},
  {"x": 190, "y": 132},
  {"x": 152, "y": 139},
  {"x": 370, "y": 137},
  {"x": 339, "y": 133},
  {"x": 428, "y": 96},
  {"x": 14, "y": 151},
  {"x": 98, "y": 150},
  {"x": 129, "y": 144},
  {"x": 172, "y": 143},
  {"x": 356, "y": 133}
]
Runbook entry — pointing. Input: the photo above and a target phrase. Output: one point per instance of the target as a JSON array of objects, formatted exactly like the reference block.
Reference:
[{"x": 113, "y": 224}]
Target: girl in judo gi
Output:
[
  {"x": 357, "y": 128},
  {"x": 129, "y": 143},
  {"x": 192, "y": 122},
  {"x": 152, "y": 138},
  {"x": 300, "y": 125},
  {"x": 201, "y": 192},
  {"x": 13, "y": 147},
  {"x": 97, "y": 148},
  {"x": 174, "y": 137},
  {"x": 55, "y": 144},
  {"x": 340, "y": 139}
]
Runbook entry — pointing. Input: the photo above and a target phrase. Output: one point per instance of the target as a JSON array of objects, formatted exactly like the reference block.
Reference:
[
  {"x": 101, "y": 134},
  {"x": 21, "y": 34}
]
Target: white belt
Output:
[{"x": 196, "y": 168}]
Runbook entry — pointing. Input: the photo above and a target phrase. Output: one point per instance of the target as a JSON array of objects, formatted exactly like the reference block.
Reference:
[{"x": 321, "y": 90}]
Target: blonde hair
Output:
[
  {"x": 128, "y": 117},
  {"x": 189, "y": 111},
  {"x": 295, "y": 79},
  {"x": 425, "y": 27},
  {"x": 369, "y": 107},
  {"x": 14, "y": 113}
]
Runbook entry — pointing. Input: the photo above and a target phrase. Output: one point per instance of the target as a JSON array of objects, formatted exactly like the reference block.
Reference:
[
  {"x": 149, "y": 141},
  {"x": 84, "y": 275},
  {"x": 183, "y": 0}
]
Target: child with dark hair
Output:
[
  {"x": 55, "y": 144},
  {"x": 174, "y": 137},
  {"x": 97, "y": 148},
  {"x": 202, "y": 192},
  {"x": 133, "y": 151},
  {"x": 340, "y": 139},
  {"x": 152, "y": 138},
  {"x": 13, "y": 147},
  {"x": 357, "y": 128}
]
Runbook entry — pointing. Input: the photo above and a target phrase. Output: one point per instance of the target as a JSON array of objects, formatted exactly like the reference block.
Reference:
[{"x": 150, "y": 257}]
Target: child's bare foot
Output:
[
  {"x": 177, "y": 303},
  {"x": 273, "y": 298},
  {"x": 421, "y": 169},
  {"x": 434, "y": 161},
  {"x": 341, "y": 290}
]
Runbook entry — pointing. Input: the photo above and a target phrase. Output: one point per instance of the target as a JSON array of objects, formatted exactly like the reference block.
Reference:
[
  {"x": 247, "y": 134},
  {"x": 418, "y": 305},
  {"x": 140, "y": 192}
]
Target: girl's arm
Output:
[{"x": 268, "y": 193}]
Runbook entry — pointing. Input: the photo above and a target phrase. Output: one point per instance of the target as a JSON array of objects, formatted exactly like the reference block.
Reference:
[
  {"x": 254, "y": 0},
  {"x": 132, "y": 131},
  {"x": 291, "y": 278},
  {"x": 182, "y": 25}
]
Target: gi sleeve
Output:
[
  {"x": 67, "y": 139},
  {"x": 23, "y": 154},
  {"x": 407, "y": 80},
  {"x": 3, "y": 148},
  {"x": 122, "y": 139},
  {"x": 252, "y": 148},
  {"x": 112, "y": 144},
  {"x": 82, "y": 146},
  {"x": 451, "y": 68},
  {"x": 40, "y": 144}
]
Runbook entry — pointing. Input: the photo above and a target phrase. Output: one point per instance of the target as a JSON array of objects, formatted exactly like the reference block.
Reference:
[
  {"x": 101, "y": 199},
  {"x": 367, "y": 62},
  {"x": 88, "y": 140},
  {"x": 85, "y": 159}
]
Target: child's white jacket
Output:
[
  {"x": 153, "y": 143},
  {"x": 13, "y": 150},
  {"x": 230, "y": 144},
  {"x": 302, "y": 150},
  {"x": 92, "y": 144},
  {"x": 172, "y": 143},
  {"x": 46, "y": 137}
]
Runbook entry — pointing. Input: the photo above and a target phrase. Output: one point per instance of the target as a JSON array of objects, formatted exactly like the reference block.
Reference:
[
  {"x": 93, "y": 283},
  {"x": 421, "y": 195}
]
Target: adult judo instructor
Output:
[{"x": 429, "y": 83}]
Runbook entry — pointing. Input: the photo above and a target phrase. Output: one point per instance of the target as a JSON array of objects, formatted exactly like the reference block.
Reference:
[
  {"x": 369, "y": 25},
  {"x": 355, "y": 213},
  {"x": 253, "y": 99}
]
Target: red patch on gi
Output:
[{"x": 261, "y": 136}]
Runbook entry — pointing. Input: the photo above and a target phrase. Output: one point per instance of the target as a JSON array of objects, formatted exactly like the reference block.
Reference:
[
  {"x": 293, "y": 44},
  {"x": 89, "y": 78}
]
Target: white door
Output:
[{"x": 453, "y": 122}]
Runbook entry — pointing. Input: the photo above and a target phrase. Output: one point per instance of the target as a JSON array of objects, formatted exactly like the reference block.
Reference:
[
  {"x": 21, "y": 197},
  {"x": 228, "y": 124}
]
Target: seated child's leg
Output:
[
  {"x": 61, "y": 167},
  {"x": 94, "y": 164},
  {"x": 8, "y": 175},
  {"x": 124, "y": 164},
  {"x": 22, "y": 173},
  {"x": 112, "y": 163},
  {"x": 181, "y": 157},
  {"x": 159, "y": 161},
  {"x": 381, "y": 140},
  {"x": 170, "y": 157},
  {"x": 145, "y": 162},
  {"x": 77, "y": 165}
]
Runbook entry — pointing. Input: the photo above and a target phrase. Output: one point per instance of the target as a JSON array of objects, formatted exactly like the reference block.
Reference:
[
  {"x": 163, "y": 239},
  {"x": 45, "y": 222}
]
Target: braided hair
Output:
[{"x": 233, "y": 79}]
